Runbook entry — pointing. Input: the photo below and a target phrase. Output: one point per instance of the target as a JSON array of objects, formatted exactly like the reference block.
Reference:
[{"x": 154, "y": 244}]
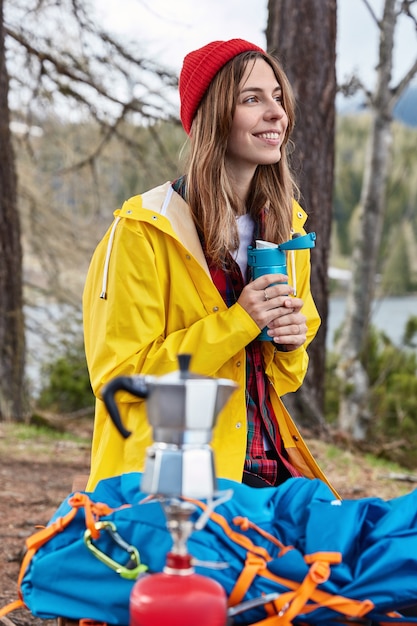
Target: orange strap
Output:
[
  {"x": 290, "y": 604},
  {"x": 254, "y": 564},
  {"x": 37, "y": 540},
  {"x": 238, "y": 538},
  {"x": 319, "y": 572},
  {"x": 33, "y": 543},
  {"x": 244, "y": 523},
  {"x": 17, "y": 604},
  {"x": 93, "y": 512}
]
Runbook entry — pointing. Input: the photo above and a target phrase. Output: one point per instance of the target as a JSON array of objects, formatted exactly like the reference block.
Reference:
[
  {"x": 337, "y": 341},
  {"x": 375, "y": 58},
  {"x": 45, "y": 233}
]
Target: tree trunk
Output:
[
  {"x": 354, "y": 411},
  {"x": 12, "y": 343},
  {"x": 303, "y": 36}
]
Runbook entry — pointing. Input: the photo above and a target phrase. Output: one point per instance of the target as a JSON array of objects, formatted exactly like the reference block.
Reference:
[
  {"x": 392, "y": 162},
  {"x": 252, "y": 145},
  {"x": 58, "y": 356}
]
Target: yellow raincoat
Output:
[{"x": 148, "y": 297}]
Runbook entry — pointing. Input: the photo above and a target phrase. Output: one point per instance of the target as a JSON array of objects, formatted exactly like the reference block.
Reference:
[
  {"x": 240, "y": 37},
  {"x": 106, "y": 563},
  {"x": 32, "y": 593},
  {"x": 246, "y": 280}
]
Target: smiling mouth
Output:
[{"x": 274, "y": 136}]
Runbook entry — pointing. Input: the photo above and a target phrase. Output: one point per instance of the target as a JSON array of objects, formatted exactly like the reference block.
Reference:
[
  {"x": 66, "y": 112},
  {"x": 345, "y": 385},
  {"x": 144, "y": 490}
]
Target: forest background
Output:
[
  {"x": 65, "y": 213},
  {"x": 93, "y": 122},
  {"x": 75, "y": 170}
]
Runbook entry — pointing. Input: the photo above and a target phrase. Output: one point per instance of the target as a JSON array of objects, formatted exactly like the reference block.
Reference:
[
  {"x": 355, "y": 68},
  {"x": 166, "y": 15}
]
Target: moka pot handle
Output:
[{"x": 135, "y": 385}]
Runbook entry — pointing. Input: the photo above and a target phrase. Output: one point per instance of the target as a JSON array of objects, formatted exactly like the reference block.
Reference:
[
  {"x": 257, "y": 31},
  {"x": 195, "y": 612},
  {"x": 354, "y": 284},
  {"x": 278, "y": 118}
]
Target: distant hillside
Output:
[
  {"x": 405, "y": 111},
  {"x": 406, "y": 108}
]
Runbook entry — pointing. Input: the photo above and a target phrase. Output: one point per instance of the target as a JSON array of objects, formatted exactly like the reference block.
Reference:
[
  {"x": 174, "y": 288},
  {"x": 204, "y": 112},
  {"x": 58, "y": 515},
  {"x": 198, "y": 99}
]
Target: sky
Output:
[{"x": 169, "y": 29}]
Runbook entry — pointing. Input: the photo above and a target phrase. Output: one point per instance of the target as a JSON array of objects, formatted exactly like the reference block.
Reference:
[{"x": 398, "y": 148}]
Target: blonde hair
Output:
[{"x": 208, "y": 191}]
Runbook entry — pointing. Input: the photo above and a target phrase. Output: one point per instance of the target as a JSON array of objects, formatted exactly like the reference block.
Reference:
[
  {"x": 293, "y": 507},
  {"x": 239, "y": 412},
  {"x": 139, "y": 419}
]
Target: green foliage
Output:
[
  {"x": 396, "y": 278},
  {"x": 393, "y": 391},
  {"x": 351, "y": 138},
  {"x": 66, "y": 385},
  {"x": 28, "y": 433},
  {"x": 135, "y": 159},
  {"x": 398, "y": 267},
  {"x": 410, "y": 332},
  {"x": 391, "y": 369}
]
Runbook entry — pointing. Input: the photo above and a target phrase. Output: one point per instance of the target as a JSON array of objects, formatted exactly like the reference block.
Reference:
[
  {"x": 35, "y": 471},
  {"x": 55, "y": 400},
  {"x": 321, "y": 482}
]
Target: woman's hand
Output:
[{"x": 268, "y": 301}]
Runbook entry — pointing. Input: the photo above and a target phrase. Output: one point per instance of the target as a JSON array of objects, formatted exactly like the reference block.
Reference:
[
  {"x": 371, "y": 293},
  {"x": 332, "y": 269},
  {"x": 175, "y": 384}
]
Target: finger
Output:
[
  {"x": 291, "y": 341},
  {"x": 292, "y": 333},
  {"x": 293, "y": 303},
  {"x": 268, "y": 280},
  {"x": 287, "y": 318},
  {"x": 266, "y": 295},
  {"x": 272, "y": 292},
  {"x": 291, "y": 330}
]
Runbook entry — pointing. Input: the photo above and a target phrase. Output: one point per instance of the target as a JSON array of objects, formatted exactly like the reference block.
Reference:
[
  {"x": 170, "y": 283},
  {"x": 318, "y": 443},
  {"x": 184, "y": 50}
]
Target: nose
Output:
[{"x": 274, "y": 110}]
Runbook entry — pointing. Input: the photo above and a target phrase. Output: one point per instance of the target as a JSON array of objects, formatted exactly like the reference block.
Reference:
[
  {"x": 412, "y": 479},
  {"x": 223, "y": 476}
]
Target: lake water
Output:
[{"x": 389, "y": 315}]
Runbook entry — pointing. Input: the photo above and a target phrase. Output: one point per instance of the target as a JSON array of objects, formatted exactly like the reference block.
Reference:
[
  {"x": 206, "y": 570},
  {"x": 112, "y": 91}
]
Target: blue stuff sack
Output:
[{"x": 325, "y": 560}]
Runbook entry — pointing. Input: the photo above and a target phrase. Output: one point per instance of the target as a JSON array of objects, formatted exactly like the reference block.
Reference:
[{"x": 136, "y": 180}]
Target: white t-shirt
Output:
[{"x": 246, "y": 227}]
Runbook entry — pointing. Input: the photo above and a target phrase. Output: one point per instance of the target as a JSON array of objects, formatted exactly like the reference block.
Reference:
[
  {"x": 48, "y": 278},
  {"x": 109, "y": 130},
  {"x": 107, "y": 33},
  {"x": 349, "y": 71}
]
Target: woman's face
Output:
[{"x": 259, "y": 123}]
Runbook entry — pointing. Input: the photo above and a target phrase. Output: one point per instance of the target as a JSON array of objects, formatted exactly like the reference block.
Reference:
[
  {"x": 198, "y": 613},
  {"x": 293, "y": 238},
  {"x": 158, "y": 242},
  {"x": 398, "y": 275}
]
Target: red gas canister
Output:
[{"x": 177, "y": 597}]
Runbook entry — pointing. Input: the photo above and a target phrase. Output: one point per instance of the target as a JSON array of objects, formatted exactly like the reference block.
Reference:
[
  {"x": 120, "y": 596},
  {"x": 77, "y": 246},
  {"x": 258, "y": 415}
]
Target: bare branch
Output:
[
  {"x": 354, "y": 85},
  {"x": 405, "y": 81},
  {"x": 372, "y": 13},
  {"x": 109, "y": 132},
  {"x": 406, "y": 9},
  {"x": 73, "y": 72},
  {"x": 409, "y": 478}
]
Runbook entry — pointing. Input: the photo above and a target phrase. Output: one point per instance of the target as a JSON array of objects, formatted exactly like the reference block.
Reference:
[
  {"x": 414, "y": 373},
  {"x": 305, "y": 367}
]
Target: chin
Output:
[{"x": 271, "y": 161}]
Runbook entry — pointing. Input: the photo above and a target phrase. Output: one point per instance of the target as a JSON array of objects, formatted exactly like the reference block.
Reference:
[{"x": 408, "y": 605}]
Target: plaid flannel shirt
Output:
[
  {"x": 272, "y": 464},
  {"x": 269, "y": 464}
]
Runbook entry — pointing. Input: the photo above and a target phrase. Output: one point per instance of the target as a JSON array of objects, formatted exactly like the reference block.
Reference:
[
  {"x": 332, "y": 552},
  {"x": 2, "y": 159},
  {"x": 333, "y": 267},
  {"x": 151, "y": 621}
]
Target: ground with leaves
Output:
[{"x": 37, "y": 471}]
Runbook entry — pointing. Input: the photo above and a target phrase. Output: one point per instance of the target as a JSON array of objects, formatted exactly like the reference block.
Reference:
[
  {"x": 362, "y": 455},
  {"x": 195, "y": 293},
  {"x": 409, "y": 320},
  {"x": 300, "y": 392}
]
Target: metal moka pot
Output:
[{"x": 182, "y": 409}]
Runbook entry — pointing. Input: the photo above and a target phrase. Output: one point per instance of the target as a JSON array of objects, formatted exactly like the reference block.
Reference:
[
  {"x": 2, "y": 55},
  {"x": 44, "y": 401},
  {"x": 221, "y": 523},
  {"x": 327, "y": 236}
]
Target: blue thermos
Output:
[{"x": 272, "y": 260}]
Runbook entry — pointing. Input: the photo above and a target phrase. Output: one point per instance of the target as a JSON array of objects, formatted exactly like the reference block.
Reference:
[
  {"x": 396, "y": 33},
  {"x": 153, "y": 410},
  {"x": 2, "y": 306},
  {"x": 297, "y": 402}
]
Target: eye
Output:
[{"x": 250, "y": 99}]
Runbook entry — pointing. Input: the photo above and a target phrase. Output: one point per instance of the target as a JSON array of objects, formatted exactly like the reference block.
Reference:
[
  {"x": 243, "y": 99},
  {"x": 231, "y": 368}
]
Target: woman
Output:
[{"x": 170, "y": 276}]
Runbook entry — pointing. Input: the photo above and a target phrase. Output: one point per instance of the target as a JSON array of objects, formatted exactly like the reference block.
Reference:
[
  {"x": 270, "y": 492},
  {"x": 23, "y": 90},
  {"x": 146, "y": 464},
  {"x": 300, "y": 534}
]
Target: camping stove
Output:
[
  {"x": 178, "y": 596},
  {"x": 182, "y": 409}
]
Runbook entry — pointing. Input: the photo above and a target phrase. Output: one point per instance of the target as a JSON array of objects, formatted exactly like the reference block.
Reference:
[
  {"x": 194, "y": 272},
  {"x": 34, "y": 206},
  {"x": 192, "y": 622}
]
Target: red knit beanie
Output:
[{"x": 198, "y": 70}]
